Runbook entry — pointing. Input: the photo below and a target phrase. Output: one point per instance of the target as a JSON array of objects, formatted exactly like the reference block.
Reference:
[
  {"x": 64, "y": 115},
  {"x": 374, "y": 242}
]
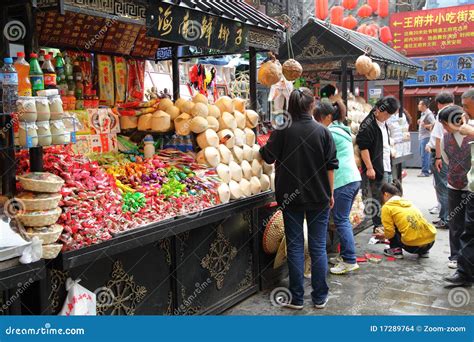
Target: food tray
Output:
[
  {"x": 51, "y": 251},
  {"x": 41, "y": 182},
  {"x": 40, "y": 218},
  {"x": 38, "y": 201},
  {"x": 47, "y": 235}
]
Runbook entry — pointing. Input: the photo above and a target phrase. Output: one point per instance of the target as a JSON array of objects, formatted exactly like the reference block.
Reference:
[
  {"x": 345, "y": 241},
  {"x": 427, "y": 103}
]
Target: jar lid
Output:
[
  {"x": 148, "y": 138},
  {"x": 43, "y": 124}
]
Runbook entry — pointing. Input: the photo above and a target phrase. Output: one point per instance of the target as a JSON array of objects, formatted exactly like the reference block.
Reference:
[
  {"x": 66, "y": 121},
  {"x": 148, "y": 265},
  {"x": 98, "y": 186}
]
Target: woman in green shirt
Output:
[{"x": 347, "y": 181}]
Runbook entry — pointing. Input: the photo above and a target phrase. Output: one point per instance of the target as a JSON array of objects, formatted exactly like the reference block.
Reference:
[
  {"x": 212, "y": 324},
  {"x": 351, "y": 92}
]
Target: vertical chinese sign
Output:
[
  {"x": 434, "y": 32},
  {"x": 195, "y": 28}
]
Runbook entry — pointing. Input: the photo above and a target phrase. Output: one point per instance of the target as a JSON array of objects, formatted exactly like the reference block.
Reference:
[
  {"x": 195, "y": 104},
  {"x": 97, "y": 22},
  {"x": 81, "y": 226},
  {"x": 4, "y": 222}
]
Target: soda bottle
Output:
[
  {"x": 10, "y": 86},
  {"x": 68, "y": 71},
  {"x": 49, "y": 73},
  {"x": 51, "y": 53},
  {"x": 79, "y": 85},
  {"x": 36, "y": 75},
  {"x": 61, "y": 74},
  {"x": 23, "y": 69},
  {"x": 41, "y": 57}
]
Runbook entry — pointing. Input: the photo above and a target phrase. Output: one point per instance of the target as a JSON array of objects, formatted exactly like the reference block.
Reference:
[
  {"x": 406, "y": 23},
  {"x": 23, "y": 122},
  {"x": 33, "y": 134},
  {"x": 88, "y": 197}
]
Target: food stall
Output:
[
  {"x": 329, "y": 52},
  {"x": 174, "y": 232}
]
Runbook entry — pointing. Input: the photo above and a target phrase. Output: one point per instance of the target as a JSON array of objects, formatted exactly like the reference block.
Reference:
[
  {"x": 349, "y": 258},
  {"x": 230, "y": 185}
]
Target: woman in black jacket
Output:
[
  {"x": 305, "y": 158},
  {"x": 374, "y": 144}
]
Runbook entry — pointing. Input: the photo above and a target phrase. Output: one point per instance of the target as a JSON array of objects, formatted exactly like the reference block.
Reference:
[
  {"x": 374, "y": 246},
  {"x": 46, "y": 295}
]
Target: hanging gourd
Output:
[
  {"x": 374, "y": 4},
  {"x": 386, "y": 34},
  {"x": 349, "y": 22},
  {"x": 383, "y": 8},
  {"x": 374, "y": 72},
  {"x": 270, "y": 72},
  {"x": 349, "y": 4},
  {"x": 337, "y": 15},
  {"x": 364, "y": 11},
  {"x": 292, "y": 69},
  {"x": 321, "y": 9},
  {"x": 363, "y": 64}
]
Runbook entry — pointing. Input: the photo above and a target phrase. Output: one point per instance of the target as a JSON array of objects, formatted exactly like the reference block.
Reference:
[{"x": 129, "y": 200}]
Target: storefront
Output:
[{"x": 148, "y": 236}]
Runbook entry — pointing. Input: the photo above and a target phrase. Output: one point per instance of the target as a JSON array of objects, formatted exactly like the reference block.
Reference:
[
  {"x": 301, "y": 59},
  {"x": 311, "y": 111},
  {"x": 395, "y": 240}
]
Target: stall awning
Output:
[{"x": 433, "y": 91}]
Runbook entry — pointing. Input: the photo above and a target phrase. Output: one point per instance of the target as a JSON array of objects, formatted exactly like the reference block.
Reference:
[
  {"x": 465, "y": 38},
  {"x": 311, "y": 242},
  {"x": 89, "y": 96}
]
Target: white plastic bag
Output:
[{"x": 79, "y": 301}]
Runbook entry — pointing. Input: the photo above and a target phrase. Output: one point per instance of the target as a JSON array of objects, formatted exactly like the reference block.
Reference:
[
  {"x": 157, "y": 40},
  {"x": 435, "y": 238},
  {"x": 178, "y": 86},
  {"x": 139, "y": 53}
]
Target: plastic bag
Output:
[
  {"x": 79, "y": 301},
  {"x": 32, "y": 252}
]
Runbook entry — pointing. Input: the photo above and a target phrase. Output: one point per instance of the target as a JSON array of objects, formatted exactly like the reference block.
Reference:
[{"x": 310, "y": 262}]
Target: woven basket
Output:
[
  {"x": 50, "y": 236},
  {"x": 38, "y": 202},
  {"x": 51, "y": 251},
  {"x": 41, "y": 182},
  {"x": 40, "y": 219}
]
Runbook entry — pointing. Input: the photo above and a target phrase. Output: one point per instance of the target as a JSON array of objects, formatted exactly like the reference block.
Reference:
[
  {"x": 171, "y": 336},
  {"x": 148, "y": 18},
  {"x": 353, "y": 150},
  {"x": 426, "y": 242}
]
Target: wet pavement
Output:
[{"x": 410, "y": 286}]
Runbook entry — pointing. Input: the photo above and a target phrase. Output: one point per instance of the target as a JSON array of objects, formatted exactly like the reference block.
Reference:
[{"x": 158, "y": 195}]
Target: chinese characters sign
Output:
[
  {"x": 188, "y": 27},
  {"x": 431, "y": 32},
  {"x": 444, "y": 70}
]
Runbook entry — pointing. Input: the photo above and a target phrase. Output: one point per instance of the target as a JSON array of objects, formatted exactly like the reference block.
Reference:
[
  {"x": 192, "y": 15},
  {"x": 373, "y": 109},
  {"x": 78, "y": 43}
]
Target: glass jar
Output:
[
  {"x": 44, "y": 133},
  {"x": 26, "y": 108},
  {"x": 28, "y": 134},
  {"x": 42, "y": 108},
  {"x": 58, "y": 132},
  {"x": 56, "y": 107}
]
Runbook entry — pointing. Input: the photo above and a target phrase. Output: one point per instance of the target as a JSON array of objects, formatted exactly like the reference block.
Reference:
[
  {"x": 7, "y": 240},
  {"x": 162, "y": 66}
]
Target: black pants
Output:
[
  {"x": 372, "y": 196},
  {"x": 466, "y": 253},
  {"x": 457, "y": 203},
  {"x": 396, "y": 242}
]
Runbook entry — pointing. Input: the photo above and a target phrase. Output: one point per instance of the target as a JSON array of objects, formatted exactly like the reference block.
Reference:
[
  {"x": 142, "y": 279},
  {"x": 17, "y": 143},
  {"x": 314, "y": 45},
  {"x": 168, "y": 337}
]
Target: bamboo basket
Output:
[
  {"x": 37, "y": 202},
  {"x": 40, "y": 219},
  {"x": 51, "y": 251},
  {"x": 41, "y": 182},
  {"x": 47, "y": 235}
]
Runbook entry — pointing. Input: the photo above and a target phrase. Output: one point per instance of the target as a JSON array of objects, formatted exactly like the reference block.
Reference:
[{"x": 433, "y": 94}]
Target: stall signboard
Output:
[
  {"x": 443, "y": 70},
  {"x": 434, "y": 32},
  {"x": 191, "y": 27}
]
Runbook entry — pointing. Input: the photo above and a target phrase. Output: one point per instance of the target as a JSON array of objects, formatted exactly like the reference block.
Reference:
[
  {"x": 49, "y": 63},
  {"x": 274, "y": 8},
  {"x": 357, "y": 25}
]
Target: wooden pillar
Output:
[
  {"x": 175, "y": 71},
  {"x": 344, "y": 80},
  {"x": 253, "y": 78},
  {"x": 351, "y": 82},
  {"x": 400, "y": 97}
]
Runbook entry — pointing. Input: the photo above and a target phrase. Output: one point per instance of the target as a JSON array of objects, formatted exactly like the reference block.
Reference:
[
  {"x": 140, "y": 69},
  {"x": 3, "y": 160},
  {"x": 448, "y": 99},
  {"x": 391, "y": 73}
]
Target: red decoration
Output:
[
  {"x": 349, "y": 22},
  {"x": 364, "y": 11},
  {"x": 372, "y": 30},
  {"x": 383, "y": 8},
  {"x": 337, "y": 15},
  {"x": 321, "y": 7},
  {"x": 374, "y": 4},
  {"x": 349, "y": 4},
  {"x": 386, "y": 34},
  {"x": 362, "y": 29}
]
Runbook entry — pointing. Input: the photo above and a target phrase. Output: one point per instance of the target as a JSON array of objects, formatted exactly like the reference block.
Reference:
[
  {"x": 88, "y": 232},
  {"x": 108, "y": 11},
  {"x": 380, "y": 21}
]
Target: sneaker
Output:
[
  {"x": 397, "y": 253},
  {"x": 441, "y": 225},
  {"x": 434, "y": 210},
  {"x": 343, "y": 268},
  {"x": 335, "y": 260},
  {"x": 292, "y": 306},
  {"x": 424, "y": 255},
  {"x": 423, "y": 175},
  {"x": 321, "y": 305},
  {"x": 453, "y": 264},
  {"x": 438, "y": 220}
]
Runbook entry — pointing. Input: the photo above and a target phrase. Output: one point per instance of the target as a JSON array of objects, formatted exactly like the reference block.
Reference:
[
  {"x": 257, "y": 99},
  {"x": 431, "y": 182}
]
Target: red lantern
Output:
[
  {"x": 374, "y": 4},
  {"x": 364, "y": 11},
  {"x": 349, "y": 22},
  {"x": 386, "y": 34},
  {"x": 349, "y": 4},
  {"x": 321, "y": 9},
  {"x": 362, "y": 29},
  {"x": 372, "y": 30},
  {"x": 383, "y": 8},
  {"x": 337, "y": 15}
]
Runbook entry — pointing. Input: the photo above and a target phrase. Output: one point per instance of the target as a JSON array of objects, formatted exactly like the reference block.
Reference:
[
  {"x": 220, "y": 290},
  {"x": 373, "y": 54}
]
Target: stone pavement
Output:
[{"x": 410, "y": 286}]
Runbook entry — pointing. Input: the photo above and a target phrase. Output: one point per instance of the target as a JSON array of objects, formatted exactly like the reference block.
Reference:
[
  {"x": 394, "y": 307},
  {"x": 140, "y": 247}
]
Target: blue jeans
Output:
[
  {"x": 343, "y": 199},
  {"x": 425, "y": 156},
  {"x": 317, "y": 230},
  {"x": 387, "y": 177},
  {"x": 441, "y": 187}
]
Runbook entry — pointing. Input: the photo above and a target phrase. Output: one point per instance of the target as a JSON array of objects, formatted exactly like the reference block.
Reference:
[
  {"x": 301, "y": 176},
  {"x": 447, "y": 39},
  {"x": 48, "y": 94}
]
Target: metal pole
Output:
[
  {"x": 36, "y": 159},
  {"x": 344, "y": 80},
  {"x": 400, "y": 97},
  {"x": 253, "y": 78},
  {"x": 351, "y": 81},
  {"x": 175, "y": 71}
]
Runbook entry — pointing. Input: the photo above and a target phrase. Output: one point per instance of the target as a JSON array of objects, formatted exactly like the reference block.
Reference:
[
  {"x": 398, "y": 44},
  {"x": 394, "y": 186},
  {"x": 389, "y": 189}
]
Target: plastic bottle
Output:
[
  {"x": 41, "y": 58},
  {"x": 78, "y": 81},
  {"x": 49, "y": 73},
  {"x": 60, "y": 74},
  {"x": 68, "y": 71},
  {"x": 36, "y": 75},
  {"x": 149, "y": 148},
  {"x": 10, "y": 86},
  {"x": 23, "y": 70}
]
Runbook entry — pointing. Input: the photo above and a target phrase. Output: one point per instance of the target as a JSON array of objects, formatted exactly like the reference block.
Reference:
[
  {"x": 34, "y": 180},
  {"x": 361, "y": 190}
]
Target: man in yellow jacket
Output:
[{"x": 404, "y": 225}]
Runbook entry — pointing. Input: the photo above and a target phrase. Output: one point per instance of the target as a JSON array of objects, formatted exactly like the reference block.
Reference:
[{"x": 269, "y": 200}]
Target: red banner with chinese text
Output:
[{"x": 434, "y": 32}]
